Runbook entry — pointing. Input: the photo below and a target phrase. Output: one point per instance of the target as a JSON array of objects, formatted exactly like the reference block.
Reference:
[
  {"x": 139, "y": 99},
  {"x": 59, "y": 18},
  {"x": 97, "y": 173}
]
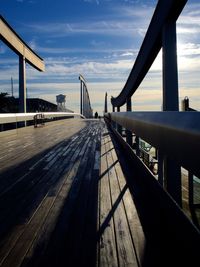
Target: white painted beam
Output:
[{"x": 12, "y": 39}]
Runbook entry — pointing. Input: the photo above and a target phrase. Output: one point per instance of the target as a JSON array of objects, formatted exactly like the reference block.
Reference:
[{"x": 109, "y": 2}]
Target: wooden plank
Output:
[
  {"x": 57, "y": 131},
  {"x": 106, "y": 232},
  {"x": 18, "y": 252},
  {"x": 55, "y": 215},
  {"x": 89, "y": 253},
  {"x": 22, "y": 249},
  {"x": 137, "y": 234},
  {"x": 76, "y": 233},
  {"x": 126, "y": 251}
]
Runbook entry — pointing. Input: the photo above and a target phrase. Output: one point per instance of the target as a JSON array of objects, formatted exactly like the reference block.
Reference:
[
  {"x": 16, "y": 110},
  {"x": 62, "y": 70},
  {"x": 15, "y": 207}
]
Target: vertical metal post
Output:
[
  {"x": 86, "y": 102},
  {"x": 22, "y": 84},
  {"x": 12, "y": 86},
  {"x": 160, "y": 167},
  {"x": 190, "y": 190},
  {"x": 119, "y": 127},
  {"x": 112, "y": 122},
  {"x": 81, "y": 97},
  {"x": 170, "y": 73},
  {"x": 84, "y": 99},
  {"x": 106, "y": 103},
  {"x": 172, "y": 172},
  {"x": 185, "y": 104},
  {"x": 129, "y": 138},
  {"x": 137, "y": 145}
]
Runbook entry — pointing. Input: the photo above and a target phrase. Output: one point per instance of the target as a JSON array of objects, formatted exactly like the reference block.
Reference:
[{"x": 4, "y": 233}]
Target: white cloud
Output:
[
  {"x": 127, "y": 54},
  {"x": 92, "y": 1},
  {"x": 110, "y": 27}
]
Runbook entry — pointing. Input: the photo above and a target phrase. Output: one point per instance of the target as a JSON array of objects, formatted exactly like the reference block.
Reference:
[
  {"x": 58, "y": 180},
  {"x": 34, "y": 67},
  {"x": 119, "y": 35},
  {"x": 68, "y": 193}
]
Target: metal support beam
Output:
[
  {"x": 106, "y": 103},
  {"x": 152, "y": 43},
  {"x": 22, "y": 84},
  {"x": 84, "y": 99},
  {"x": 119, "y": 127},
  {"x": 81, "y": 97},
  {"x": 191, "y": 190},
  {"x": 26, "y": 54},
  {"x": 160, "y": 168},
  {"x": 172, "y": 171},
  {"x": 129, "y": 138},
  {"x": 170, "y": 73},
  {"x": 12, "y": 39},
  {"x": 85, "y": 106}
]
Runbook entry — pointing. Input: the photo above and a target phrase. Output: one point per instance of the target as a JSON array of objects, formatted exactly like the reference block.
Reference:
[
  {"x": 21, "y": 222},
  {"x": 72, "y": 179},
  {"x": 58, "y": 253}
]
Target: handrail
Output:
[
  {"x": 85, "y": 105},
  {"x": 165, "y": 11},
  {"x": 176, "y": 134},
  {"x": 18, "y": 117}
]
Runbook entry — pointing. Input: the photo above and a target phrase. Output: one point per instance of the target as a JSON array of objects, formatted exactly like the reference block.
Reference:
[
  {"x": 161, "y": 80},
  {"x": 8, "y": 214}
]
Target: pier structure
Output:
[
  {"x": 85, "y": 105},
  {"x": 26, "y": 55},
  {"x": 87, "y": 192}
]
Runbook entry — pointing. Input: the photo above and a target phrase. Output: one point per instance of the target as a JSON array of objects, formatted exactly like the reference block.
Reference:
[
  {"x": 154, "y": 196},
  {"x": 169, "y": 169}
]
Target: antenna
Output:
[{"x": 12, "y": 86}]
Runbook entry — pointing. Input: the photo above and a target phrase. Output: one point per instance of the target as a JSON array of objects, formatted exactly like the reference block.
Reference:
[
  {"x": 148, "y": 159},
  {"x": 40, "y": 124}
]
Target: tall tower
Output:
[{"x": 61, "y": 100}]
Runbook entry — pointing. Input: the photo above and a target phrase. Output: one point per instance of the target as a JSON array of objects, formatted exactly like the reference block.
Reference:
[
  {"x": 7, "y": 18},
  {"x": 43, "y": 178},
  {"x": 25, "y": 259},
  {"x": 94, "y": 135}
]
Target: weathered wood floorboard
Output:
[
  {"x": 69, "y": 204},
  {"x": 125, "y": 248},
  {"x": 106, "y": 232}
]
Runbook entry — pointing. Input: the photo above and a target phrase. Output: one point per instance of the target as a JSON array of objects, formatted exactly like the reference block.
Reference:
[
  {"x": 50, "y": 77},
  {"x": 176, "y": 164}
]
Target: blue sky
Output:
[{"x": 99, "y": 39}]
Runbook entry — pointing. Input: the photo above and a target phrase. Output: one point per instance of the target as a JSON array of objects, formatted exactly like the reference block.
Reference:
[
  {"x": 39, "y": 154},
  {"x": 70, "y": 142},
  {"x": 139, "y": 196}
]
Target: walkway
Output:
[{"x": 79, "y": 202}]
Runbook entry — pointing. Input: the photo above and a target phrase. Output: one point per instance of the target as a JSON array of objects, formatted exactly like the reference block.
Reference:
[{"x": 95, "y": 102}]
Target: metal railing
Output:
[
  {"x": 85, "y": 105},
  {"x": 175, "y": 135},
  {"x": 160, "y": 34},
  {"x": 16, "y": 118}
]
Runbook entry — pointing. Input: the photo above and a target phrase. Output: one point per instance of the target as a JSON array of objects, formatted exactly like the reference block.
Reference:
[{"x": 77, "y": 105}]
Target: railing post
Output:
[
  {"x": 22, "y": 84},
  {"x": 22, "y": 87},
  {"x": 119, "y": 127},
  {"x": 129, "y": 138},
  {"x": 84, "y": 99},
  {"x": 172, "y": 172},
  {"x": 160, "y": 167},
  {"x": 112, "y": 122},
  {"x": 185, "y": 104},
  {"x": 190, "y": 190},
  {"x": 81, "y": 97},
  {"x": 106, "y": 103}
]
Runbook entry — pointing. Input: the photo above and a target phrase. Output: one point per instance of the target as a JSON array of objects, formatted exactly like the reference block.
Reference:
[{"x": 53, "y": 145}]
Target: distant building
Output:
[
  {"x": 61, "y": 100},
  {"x": 38, "y": 105},
  {"x": 61, "y": 103},
  {"x": 11, "y": 104}
]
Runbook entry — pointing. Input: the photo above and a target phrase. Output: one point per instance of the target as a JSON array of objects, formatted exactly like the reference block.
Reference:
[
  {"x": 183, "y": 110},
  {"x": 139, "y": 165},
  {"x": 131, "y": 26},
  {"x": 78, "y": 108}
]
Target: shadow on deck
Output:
[{"x": 94, "y": 208}]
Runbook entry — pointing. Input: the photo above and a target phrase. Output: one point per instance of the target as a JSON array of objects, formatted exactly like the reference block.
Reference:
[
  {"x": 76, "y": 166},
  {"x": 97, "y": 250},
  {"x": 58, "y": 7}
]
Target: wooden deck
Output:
[{"x": 66, "y": 200}]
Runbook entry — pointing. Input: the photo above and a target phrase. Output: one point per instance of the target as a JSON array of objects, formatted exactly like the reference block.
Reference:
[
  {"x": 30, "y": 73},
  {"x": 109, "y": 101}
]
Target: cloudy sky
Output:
[{"x": 99, "y": 39}]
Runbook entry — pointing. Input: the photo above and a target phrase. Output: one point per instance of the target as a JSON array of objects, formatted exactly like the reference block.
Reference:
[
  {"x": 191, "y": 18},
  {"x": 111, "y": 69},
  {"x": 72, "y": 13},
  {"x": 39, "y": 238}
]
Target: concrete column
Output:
[
  {"x": 172, "y": 171},
  {"x": 129, "y": 138},
  {"x": 22, "y": 84}
]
